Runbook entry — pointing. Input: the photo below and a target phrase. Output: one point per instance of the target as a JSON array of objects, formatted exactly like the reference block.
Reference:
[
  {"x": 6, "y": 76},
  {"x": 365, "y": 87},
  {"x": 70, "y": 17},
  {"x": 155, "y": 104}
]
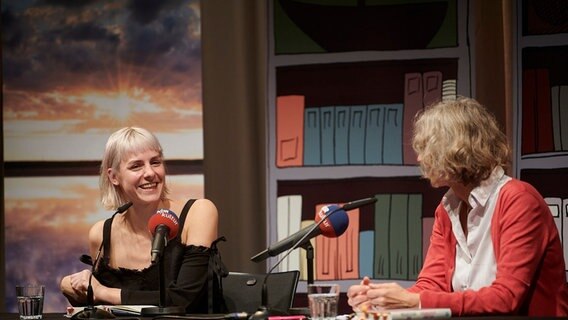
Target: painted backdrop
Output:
[{"x": 73, "y": 72}]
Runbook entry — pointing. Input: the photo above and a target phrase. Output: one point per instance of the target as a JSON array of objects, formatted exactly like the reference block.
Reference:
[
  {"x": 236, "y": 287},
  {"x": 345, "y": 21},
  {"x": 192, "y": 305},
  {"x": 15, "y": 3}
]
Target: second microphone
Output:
[{"x": 334, "y": 226}]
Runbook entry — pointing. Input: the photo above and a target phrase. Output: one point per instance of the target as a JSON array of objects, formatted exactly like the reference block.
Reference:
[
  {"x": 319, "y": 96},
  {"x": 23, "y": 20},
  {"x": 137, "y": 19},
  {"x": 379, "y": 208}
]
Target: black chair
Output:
[{"x": 243, "y": 291}]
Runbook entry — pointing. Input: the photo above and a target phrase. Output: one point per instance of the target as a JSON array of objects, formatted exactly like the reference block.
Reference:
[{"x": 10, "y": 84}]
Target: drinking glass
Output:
[
  {"x": 323, "y": 300},
  {"x": 30, "y": 301}
]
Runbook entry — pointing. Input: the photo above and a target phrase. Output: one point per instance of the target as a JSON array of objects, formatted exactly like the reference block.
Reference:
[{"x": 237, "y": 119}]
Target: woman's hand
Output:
[
  {"x": 80, "y": 281},
  {"x": 74, "y": 287},
  {"x": 391, "y": 295},
  {"x": 357, "y": 294}
]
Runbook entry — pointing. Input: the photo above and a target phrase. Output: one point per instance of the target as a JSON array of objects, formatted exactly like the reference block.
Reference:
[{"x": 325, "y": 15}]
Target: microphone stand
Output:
[
  {"x": 161, "y": 309},
  {"x": 263, "y": 312},
  {"x": 90, "y": 312},
  {"x": 309, "y": 261}
]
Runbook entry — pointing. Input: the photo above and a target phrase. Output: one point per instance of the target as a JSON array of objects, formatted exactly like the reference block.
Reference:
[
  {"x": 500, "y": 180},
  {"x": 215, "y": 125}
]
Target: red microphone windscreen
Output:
[
  {"x": 167, "y": 218},
  {"x": 336, "y": 224}
]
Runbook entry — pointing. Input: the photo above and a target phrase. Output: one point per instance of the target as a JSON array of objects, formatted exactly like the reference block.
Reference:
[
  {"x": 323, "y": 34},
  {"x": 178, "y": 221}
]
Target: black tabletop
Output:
[{"x": 61, "y": 316}]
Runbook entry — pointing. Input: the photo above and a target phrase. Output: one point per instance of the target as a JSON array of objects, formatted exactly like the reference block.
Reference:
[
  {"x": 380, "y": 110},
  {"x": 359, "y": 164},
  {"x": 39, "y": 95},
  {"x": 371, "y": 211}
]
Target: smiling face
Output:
[{"x": 141, "y": 176}]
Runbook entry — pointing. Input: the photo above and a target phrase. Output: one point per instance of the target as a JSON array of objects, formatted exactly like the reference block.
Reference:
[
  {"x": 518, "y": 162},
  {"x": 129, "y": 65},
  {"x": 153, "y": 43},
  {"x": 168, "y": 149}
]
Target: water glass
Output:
[
  {"x": 323, "y": 300},
  {"x": 30, "y": 301}
]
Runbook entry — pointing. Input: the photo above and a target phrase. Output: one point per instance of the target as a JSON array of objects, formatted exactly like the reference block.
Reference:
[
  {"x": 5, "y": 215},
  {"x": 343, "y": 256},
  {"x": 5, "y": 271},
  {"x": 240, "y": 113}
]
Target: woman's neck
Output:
[
  {"x": 137, "y": 216},
  {"x": 462, "y": 191}
]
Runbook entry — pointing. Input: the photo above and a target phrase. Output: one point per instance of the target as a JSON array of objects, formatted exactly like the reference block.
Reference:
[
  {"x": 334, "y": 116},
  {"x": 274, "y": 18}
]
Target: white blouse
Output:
[{"x": 475, "y": 260}]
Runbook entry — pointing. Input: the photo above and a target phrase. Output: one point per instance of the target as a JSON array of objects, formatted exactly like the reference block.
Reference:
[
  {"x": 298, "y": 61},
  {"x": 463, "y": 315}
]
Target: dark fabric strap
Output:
[
  {"x": 184, "y": 212},
  {"x": 106, "y": 238},
  {"x": 215, "y": 272}
]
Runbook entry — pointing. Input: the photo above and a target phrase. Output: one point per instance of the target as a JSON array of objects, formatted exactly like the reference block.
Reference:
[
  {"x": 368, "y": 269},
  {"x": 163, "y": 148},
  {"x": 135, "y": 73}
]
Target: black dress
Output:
[{"x": 192, "y": 275}]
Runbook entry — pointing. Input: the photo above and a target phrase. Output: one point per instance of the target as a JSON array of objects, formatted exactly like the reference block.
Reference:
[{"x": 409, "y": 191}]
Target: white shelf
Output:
[
  {"x": 550, "y": 160},
  {"x": 366, "y": 56},
  {"x": 559, "y": 39},
  {"x": 342, "y": 172}
]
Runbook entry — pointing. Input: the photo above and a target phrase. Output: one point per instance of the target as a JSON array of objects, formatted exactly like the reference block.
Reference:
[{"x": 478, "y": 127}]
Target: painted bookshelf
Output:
[
  {"x": 342, "y": 96},
  {"x": 541, "y": 114}
]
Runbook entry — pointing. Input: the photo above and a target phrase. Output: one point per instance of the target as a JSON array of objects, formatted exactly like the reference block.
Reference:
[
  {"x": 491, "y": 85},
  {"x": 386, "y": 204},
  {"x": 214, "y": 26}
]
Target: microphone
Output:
[
  {"x": 90, "y": 312},
  {"x": 123, "y": 208},
  {"x": 358, "y": 203},
  {"x": 332, "y": 228},
  {"x": 164, "y": 226},
  {"x": 324, "y": 216}
]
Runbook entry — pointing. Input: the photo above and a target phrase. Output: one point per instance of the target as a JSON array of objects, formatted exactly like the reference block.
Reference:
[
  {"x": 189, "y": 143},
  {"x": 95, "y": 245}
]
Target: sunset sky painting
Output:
[{"x": 74, "y": 71}]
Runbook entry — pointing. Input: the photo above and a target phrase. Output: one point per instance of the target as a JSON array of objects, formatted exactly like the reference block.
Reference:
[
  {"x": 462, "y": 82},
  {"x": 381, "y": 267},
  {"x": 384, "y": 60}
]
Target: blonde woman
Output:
[
  {"x": 494, "y": 247},
  {"x": 133, "y": 170}
]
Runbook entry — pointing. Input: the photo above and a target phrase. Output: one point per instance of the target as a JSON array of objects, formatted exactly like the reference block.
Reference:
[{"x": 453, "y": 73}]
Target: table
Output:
[{"x": 60, "y": 316}]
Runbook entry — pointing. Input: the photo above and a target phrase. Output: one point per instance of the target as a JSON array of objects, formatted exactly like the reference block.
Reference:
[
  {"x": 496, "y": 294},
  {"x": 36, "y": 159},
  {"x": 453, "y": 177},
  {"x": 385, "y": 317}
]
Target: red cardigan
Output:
[{"x": 530, "y": 279}]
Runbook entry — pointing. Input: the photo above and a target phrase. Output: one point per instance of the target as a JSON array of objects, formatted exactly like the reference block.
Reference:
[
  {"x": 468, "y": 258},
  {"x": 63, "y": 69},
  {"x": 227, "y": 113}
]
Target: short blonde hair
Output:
[
  {"x": 119, "y": 146},
  {"x": 459, "y": 141}
]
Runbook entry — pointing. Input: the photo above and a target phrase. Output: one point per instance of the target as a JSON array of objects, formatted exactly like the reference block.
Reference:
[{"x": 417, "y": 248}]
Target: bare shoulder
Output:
[
  {"x": 96, "y": 236},
  {"x": 96, "y": 231},
  {"x": 203, "y": 207},
  {"x": 201, "y": 225},
  {"x": 204, "y": 204}
]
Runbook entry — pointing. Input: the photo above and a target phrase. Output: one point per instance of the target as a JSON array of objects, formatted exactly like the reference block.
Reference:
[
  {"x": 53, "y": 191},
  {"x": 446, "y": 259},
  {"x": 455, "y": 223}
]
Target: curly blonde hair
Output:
[
  {"x": 119, "y": 146},
  {"x": 459, "y": 141}
]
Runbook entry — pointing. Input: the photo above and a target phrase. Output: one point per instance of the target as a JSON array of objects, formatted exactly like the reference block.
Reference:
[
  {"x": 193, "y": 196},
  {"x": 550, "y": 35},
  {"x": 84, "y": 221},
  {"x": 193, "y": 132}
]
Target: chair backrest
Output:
[{"x": 243, "y": 291}]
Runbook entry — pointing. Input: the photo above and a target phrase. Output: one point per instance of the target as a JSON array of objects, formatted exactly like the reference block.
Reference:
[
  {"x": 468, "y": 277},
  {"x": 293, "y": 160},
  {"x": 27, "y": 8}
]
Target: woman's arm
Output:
[
  {"x": 438, "y": 263},
  {"x": 519, "y": 232},
  {"x": 74, "y": 286}
]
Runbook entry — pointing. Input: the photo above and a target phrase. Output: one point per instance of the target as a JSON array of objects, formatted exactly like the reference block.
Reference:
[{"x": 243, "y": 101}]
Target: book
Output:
[
  {"x": 374, "y": 134},
  {"x": 289, "y": 218},
  {"x": 290, "y": 131},
  {"x": 312, "y": 137},
  {"x": 392, "y": 134},
  {"x": 327, "y": 123},
  {"x": 413, "y": 103},
  {"x": 366, "y": 245},
  {"x": 398, "y": 236},
  {"x": 342, "y": 114},
  {"x": 357, "y": 124},
  {"x": 432, "y": 86},
  {"x": 410, "y": 313},
  {"x": 414, "y": 235},
  {"x": 537, "y": 125},
  {"x": 381, "y": 241}
]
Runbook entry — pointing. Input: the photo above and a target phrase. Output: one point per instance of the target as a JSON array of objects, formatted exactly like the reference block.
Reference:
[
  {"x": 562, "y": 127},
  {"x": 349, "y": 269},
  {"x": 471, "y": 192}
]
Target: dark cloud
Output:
[
  {"x": 56, "y": 54},
  {"x": 14, "y": 67},
  {"x": 166, "y": 34},
  {"x": 146, "y": 11},
  {"x": 94, "y": 46},
  {"x": 73, "y": 4},
  {"x": 14, "y": 30},
  {"x": 88, "y": 31}
]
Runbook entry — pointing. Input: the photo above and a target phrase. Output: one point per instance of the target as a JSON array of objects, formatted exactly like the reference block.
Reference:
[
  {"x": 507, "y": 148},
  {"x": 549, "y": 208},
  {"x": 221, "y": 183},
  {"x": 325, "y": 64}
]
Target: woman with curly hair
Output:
[{"x": 495, "y": 248}]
